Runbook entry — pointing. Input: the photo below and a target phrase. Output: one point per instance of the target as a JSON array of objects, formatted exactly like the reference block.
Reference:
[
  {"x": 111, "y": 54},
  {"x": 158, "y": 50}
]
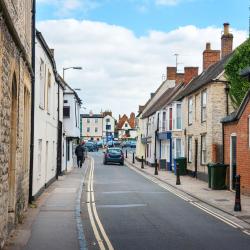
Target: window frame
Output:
[
  {"x": 178, "y": 104},
  {"x": 190, "y": 149},
  {"x": 203, "y": 150},
  {"x": 66, "y": 107},
  {"x": 203, "y": 107},
  {"x": 190, "y": 111}
]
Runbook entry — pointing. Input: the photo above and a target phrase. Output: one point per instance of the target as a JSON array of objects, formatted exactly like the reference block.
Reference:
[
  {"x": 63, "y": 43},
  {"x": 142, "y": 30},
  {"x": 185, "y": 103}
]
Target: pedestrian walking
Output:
[{"x": 79, "y": 151}]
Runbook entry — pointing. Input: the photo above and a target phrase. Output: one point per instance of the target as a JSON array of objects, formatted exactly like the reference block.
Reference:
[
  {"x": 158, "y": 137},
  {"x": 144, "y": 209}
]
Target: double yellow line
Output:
[{"x": 96, "y": 224}]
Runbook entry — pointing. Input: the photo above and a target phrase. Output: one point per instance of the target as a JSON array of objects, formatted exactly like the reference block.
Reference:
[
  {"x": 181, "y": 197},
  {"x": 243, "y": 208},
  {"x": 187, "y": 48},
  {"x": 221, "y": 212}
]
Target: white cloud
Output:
[{"x": 120, "y": 70}]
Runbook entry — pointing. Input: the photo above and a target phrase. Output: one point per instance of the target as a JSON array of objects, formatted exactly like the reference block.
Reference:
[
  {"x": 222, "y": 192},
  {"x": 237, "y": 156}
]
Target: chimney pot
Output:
[
  {"x": 208, "y": 46},
  {"x": 226, "y": 28},
  {"x": 226, "y": 41}
]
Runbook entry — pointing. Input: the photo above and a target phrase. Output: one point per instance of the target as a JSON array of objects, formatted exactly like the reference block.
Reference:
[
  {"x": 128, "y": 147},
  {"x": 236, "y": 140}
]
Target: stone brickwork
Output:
[
  {"x": 14, "y": 181},
  {"x": 212, "y": 128}
]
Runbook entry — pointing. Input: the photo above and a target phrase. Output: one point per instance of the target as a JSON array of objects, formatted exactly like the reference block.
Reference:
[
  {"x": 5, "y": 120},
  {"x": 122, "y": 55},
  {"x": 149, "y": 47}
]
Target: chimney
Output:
[
  {"x": 226, "y": 41},
  {"x": 171, "y": 73},
  {"x": 210, "y": 56},
  {"x": 190, "y": 73},
  {"x": 179, "y": 78}
]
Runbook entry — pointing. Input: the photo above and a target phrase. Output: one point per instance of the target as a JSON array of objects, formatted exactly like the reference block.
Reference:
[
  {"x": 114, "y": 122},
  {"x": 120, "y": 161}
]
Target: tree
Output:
[{"x": 238, "y": 85}]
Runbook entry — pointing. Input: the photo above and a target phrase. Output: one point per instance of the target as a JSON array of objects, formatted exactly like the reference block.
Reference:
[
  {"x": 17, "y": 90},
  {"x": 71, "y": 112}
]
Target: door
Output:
[
  {"x": 196, "y": 159},
  {"x": 233, "y": 160}
]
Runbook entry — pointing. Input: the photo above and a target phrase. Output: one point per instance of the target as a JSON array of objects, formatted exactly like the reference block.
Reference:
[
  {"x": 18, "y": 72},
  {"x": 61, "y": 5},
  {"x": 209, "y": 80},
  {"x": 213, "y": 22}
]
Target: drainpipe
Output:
[
  {"x": 227, "y": 100},
  {"x": 156, "y": 131},
  {"x": 33, "y": 39},
  {"x": 58, "y": 170}
]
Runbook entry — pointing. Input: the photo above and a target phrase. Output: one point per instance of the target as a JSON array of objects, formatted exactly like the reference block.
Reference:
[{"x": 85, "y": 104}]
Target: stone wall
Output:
[{"x": 13, "y": 68}]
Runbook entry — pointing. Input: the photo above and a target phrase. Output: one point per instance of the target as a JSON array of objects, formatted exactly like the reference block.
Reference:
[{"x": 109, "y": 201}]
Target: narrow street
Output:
[{"x": 130, "y": 212}]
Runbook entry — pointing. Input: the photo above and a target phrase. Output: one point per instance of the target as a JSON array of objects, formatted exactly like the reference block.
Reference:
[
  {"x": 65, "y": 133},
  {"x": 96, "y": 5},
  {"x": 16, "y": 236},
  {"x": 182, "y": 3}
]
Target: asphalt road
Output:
[{"x": 138, "y": 214}]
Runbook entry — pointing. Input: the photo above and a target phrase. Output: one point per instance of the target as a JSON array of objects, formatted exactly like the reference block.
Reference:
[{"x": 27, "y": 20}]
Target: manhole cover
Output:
[{"x": 221, "y": 200}]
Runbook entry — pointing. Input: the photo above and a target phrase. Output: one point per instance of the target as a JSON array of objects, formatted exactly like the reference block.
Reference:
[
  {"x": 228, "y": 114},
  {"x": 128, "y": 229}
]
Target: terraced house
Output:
[{"x": 15, "y": 110}]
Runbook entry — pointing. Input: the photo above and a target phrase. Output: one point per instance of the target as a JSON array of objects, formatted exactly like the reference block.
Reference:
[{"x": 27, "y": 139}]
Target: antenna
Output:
[{"x": 176, "y": 59}]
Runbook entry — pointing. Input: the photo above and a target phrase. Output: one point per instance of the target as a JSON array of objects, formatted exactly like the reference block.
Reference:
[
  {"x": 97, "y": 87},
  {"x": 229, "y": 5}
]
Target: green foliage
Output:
[{"x": 239, "y": 61}]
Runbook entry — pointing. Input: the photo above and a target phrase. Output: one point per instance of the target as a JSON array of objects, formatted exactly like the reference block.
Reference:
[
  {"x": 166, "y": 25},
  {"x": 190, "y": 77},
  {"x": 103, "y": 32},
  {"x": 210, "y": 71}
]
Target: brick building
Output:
[
  {"x": 236, "y": 129},
  {"x": 15, "y": 107}
]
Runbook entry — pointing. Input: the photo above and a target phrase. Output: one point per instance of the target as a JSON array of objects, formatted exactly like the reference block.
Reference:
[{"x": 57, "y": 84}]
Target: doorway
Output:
[
  {"x": 13, "y": 145},
  {"x": 233, "y": 160}
]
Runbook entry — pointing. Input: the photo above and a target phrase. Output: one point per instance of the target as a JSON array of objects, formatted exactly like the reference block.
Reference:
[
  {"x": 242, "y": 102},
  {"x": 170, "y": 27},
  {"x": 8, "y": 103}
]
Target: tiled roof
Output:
[
  {"x": 163, "y": 99},
  {"x": 205, "y": 77},
  {"x": 91, "y": 116},
  {"x": 237, "y": 114}
]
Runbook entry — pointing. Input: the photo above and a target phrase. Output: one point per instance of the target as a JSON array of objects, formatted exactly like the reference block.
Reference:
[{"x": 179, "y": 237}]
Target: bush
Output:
[{"x": 238, "y": 85}]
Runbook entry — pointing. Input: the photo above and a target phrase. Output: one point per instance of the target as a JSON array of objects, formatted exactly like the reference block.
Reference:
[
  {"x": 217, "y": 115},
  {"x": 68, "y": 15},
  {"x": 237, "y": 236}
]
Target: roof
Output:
[
  {"x": 46, "y": 48},
  {"x": 235, "y": 116},
  {"x": 91, "y": 116},
  {"x": 163, "y": 99},
  {"x": 207, "y": 76},
  {"x": 130, "y": 121}
]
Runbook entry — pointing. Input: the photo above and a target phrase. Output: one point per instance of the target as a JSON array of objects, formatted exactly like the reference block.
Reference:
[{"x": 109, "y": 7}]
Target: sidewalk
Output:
[
  {"x": 54, "y": 224},
  {"x": 221, "y": 199}
]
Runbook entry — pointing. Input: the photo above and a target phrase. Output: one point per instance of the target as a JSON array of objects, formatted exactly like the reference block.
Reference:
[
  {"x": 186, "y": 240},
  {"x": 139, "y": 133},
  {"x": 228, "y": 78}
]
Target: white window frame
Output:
[
  {"x": 190, "y": 149},
  {"x": 203, "y": 149},
  {"x": 176, "y": 113},
  {"x": 190, "y": 110},
  {"x": 203, "y": 106}
]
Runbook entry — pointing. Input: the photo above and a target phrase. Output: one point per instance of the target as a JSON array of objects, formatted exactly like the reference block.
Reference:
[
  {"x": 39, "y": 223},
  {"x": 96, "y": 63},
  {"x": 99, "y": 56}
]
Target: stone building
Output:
[{"x": 15, "y": 107}]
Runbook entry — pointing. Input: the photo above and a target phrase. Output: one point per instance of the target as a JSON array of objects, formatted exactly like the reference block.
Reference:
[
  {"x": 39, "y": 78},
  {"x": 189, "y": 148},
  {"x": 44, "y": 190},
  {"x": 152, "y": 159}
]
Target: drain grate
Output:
[{"x": 221, "y": 200}]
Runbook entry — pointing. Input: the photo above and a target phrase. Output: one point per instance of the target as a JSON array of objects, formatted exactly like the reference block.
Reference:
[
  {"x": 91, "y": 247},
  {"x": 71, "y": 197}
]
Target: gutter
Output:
[
  {"x": 15, "y": 36},
  {"x": 32, "y": 101}
]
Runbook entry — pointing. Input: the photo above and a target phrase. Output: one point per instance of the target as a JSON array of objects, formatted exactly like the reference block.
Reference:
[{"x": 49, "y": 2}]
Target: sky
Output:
[{"x": 124, "y": 46}]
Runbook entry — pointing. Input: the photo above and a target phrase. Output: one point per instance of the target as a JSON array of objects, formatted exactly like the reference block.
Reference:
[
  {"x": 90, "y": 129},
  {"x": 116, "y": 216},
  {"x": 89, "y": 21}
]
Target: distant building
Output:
[
  {"x": 108, "y": 131},
  {"x": 92, "y": 126},
  {"x": 126, "y": 127}
]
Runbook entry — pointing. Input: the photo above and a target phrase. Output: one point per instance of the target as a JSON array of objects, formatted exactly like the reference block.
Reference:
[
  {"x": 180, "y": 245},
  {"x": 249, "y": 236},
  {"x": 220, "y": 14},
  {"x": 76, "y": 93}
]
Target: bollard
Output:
[
  {"x": 142, "y": 163},
  {"x": 156, "y": 168},
  {"x": 237, "y": 205},
  {"x": 178, "y": 181},
  {"x": 133, "y": 157},
  {"x": 126, "y": 153}
]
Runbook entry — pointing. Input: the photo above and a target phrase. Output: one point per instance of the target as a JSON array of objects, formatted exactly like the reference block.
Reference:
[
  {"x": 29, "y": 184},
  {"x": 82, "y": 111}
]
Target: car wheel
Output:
[
  {"x": 122, "y": 163},
  {"x": 105, "y": 163}
]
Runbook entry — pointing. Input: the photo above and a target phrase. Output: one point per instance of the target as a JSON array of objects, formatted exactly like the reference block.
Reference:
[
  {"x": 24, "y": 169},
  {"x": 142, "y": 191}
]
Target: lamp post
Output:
[{"x": 76, "y": 68}]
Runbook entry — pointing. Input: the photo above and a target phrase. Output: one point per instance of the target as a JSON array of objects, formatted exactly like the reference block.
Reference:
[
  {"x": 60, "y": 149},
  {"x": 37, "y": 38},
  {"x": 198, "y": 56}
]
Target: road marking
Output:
[
  {"x": 93, "y": 215},
  {"x": 194, "y": 203},
  {"x": 96, "y": 233},
  {"x": 110, "y": 247}
]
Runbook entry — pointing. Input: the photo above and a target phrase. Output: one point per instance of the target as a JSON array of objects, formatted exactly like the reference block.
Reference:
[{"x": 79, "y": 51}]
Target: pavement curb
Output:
[{"x": 186, "y": 192}]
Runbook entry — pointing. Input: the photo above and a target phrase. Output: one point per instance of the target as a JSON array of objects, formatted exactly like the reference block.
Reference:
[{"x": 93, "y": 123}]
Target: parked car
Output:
[
  {"x": 90, "y": 146},
  {"x": 125, "y": 144},
  {"x": 113, "y": 155},
  {"x": 116, "y": 143},
  {"x": 133, "y": 144},
  {"x": 110, "y": 144},
  {"x": 100, "y": 144}
]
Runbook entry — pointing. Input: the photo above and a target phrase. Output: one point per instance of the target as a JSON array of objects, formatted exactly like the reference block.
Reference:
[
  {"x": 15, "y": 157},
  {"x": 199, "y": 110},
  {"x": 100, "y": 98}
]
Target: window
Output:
[
  {"x": 49, "y": 93},
  {"x": 170, "y": 118},
  {"x": 178, "y": 116},
  {"x": 126, "y": 125},
  {"x": 42, "y": 83},
  {"x": 88, "y": 120},
  {"x": 66, "y": 112},
  {"x": 203, "y": 105},
  {"x": 108, "y": 127},
  {"x": 164, "y": 121},
  {"x": 203, "y": 150},
  {"x": 178, "y": 148},
  {"x": 96, "y": 130},
  {"x": 96, "y": 120},
  {"x": 190, "y": 149},
  {"x": 88, "y": 129},
  {"x": 39, "y": 159},
  {"x": 65, "y": 101},
  {"x": 107, "y": 120},
  {"x": 190, "y": 111}
]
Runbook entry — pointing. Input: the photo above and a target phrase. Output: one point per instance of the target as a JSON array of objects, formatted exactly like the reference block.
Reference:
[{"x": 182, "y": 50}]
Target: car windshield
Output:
[{"x": 114, "y": 151}]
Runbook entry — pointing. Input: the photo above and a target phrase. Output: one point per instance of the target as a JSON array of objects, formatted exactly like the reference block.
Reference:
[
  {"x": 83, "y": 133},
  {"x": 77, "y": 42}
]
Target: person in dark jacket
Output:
[{"x": 79, "y": 151}]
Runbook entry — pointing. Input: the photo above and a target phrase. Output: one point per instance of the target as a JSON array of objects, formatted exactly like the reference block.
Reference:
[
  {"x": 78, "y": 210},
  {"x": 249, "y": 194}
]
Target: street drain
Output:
[{"x": 221, "y": 200}]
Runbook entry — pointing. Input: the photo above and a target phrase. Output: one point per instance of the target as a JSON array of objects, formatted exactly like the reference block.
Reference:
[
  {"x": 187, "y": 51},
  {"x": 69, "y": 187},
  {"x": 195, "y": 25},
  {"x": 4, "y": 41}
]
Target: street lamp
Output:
[{"x": 76, "y": 68}]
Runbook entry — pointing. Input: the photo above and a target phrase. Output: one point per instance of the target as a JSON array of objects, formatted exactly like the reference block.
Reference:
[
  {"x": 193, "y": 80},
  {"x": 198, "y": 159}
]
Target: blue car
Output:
[{"x": 113, "y": 155}]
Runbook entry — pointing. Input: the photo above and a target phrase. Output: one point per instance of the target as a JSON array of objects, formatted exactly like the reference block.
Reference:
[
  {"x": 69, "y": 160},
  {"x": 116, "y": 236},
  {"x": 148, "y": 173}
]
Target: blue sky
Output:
[
  {"x": 124, "y": 46},
  {"x": 140, "y": 16}
]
